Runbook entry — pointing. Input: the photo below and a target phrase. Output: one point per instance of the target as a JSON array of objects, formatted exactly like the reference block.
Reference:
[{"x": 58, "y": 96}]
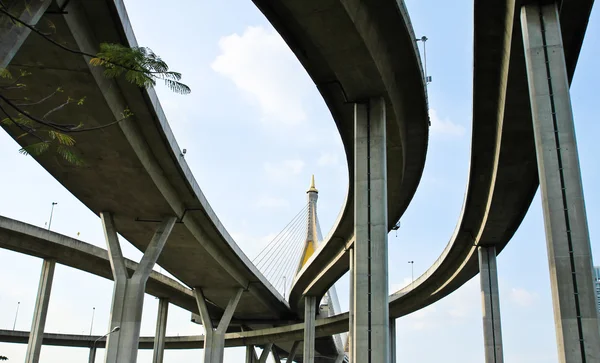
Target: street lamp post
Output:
[
  {"x": 412, "y": 271},
  {"x": 16, "y": 315},
  {"x": 51, "y": 213},
  {"x": 115, "y": 329},
  {"x": 92, "y": 324}
]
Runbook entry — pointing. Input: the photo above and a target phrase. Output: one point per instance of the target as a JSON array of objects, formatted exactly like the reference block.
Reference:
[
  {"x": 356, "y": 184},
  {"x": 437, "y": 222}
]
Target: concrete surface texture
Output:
[
  {"x": 567, "y": 236},
  {"x": 490, "y": 304}
]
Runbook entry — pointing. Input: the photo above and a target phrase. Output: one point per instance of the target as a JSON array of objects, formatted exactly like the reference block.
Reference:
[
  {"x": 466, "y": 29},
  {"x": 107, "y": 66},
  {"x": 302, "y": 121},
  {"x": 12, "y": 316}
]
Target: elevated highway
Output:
[
  {"x": 136, "y": 172},
  {"x": 503, "y": 175},
  {"x": 135, "y": 169}
]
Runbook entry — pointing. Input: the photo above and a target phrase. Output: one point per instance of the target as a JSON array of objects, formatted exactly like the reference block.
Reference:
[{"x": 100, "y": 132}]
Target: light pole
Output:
[
  {"x": 51, "y": 213},
  {"x": 16, "y": 314},
  {"x": 92, "y": 324},
  {"x": 115, "y": 329},
  {"x": 412, "y": 271}
]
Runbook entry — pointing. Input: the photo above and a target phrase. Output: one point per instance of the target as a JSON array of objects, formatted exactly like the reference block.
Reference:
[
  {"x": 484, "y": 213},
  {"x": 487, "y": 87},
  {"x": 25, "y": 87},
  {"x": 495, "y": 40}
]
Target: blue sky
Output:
[{"x": 255, "y": 129}]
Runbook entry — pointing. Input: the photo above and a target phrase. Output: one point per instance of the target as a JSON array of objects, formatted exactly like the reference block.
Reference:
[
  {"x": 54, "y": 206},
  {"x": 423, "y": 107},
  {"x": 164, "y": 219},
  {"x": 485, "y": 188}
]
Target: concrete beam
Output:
[
  {"x": 34, "y": 345},
  {"x": 490, "y": 301},
  {"x": 567, "y": 235},
  {"x": 161, "y": 331},
  {"x": 214, "y": 341},
  {"x": 128, "y": 293},
  {"x": 12, "y": 36},
  {"x": 371, "y": 310}
]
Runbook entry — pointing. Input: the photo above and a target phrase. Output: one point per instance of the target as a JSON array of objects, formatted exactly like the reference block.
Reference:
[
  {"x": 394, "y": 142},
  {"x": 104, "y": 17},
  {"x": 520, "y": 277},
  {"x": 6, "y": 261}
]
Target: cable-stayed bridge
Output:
[{"x": 364, "y": 60}]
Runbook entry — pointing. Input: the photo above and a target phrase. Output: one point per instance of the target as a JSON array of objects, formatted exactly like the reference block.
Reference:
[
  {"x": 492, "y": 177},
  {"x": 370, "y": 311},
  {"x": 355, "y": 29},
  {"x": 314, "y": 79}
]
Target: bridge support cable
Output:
[
  {"x": 128, "y": 294},
  {"x": 567, "y": 235},
  {"x": 161, "y": 330},
  {"x": 214, "y": 337},
  {"x": 266, "y": 251},
  {"x": 371, "y": 310},
  {"x": 490, "y": 304},
  {"x": 310, "y": 313},
  {"x": 274, "y": 271},
  {"x": 34, "y": 345},
  {"x": 283, "y": 251}
]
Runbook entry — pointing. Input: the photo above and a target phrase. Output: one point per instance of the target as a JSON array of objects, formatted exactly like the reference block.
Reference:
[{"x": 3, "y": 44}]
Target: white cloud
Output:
[
  {"x": 263, "y": 67},
  {"x": 328, "y": 159},
  {"x": 522, "y": 297},
  {"x": 444, "y": 126},
  {"x": 271, "y": 202},
  {"x": 283, "y": 170}
]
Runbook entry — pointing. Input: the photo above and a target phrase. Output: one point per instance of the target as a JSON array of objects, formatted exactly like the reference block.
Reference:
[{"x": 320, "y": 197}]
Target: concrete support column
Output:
[
  {"x": 92, "y": 357},
  {"x": 265, "y": 353},
  {"x": 250, "y": 354},
  {"x": 13, "y": 35},
  {"x": 214, "y": 339},
  {"x": 392, "y": 340},
  {"x": 293, "y": 352},
  {"x": 351, "y": 307},
  {"x": 310, "y": 313},
  {"x": 490, "y": 303},
  {"x": 34, "y": 346},
  {"x": 371, "y": 311},
  {"x": 161, "y": 330},
  {"x": 128, "y": 293},
  {"x": 275, "y": 353},
  {"x": 567, "y": 236}
]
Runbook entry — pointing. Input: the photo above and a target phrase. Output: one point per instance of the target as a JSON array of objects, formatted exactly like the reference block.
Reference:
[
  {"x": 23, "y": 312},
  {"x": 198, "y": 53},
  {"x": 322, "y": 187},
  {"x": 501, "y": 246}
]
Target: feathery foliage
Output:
[
  {"x": 137, "y": 65},
  {"x": 140, "y": 65}
]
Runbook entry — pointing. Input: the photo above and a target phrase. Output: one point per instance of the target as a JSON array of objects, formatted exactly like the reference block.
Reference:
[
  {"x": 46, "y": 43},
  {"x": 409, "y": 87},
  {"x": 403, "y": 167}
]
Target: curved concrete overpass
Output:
[
  {"x": 503, "y": 170},
  {"x": 352, "y": 50}
]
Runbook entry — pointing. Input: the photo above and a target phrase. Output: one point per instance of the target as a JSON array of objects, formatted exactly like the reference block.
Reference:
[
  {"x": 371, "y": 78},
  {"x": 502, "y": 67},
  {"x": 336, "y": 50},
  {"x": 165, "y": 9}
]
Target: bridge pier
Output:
[
  {"x": 392, "y": 340},
  {"x": 214, "y": 338},
  {"x": 251, "y": 354},
  {"x": 310, "y": 313},
  {"x": 490, "y": 299},
  {"x": 161, "y": 330},
  {"x": 371, "y": 310},
  {"x": 34, "y": 345},
  {"x": 128, "y": 293},
  {"x": 567, "y": 236}
]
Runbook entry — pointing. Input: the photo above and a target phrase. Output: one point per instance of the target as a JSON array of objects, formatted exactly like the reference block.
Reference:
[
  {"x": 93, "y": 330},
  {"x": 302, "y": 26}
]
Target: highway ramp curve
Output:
[
  {"x": 135, "y": 170},
  {"x": 503, "y": 175}
]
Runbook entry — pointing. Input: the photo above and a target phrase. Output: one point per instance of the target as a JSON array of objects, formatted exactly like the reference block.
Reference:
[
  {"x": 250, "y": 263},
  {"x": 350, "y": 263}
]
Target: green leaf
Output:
[
  {"x": 81, "y": 101},
  {"x": 35, "y": 149},
  {"x": 62, "y": 139},
  {"x": 68, "y": 154},
  {"x": 5, "y": 73}
]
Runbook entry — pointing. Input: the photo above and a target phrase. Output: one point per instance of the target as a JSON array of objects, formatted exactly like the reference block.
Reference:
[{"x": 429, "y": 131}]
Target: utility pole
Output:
[{"x": 51, "y": 213}]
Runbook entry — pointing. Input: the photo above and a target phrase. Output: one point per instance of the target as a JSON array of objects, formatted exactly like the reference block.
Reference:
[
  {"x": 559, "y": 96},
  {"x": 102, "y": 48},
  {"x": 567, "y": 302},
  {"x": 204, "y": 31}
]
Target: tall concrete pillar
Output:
[
  {"x": 128, "y": 293},
  {"x": 490, "y": 303},
  {"x": 12, "y": 34},
  {"x": 310, "y": 313},
  {"x": 275, "y": 353},
  {"x": 92, "y": 356},
  {"x": 293, "y": 352},
  {"x": 371, "y": 311},
  {"x": 214, "y": 339},
  {"x": 34, "y": 346},
  {"x": 567, "y": 237},
  {"x": 161, "y": 330},
  {"x": 392, "y": 340},
  {"x": 351, "y": 307}
]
